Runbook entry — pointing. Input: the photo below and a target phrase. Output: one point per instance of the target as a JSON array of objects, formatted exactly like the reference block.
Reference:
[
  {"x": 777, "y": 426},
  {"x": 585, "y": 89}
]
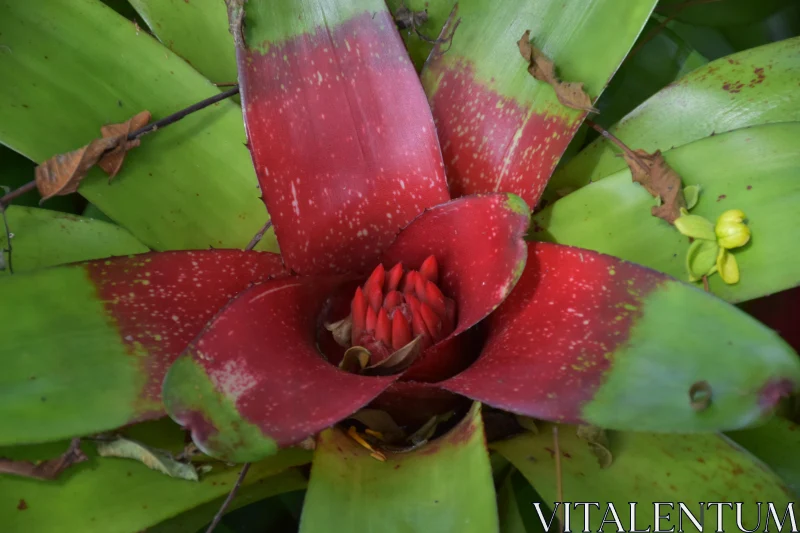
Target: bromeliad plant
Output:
[{"x": 404, "y": 286}]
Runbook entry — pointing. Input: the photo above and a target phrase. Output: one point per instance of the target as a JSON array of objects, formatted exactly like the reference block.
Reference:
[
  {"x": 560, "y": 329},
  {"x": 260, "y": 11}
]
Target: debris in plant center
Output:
[
  {"x": 63, "y": 173},
  {"x": 45, "y": 470},
  {"x": 570, "y": 94}
]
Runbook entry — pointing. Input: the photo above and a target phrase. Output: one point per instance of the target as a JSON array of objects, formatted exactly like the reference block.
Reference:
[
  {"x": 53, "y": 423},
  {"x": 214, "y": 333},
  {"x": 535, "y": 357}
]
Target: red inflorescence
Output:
[{"x": 393, "y": 308}]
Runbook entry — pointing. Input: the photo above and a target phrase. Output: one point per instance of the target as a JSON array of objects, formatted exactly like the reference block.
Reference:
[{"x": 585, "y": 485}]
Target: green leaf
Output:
[
  {"x": 446, "y": 485},
  {"x": 701, "y": 259},
  {"x": 44, "y": 238},
  {"x": 752, "y": 169},
  {"x": 514, "y": 499},
  {"x": 79, "y": 65},
  {"x": 107, "y": 495},
  {"x": 725, "y": 13},
  {"x": 776, "y": 443},
  {"x": 197, "y": 31},
  {"x": 647, "y": 468},
  {"x": 654, "y": 62},
  {"x": 692, "y": 195},
  {"x": 696, "y": 227},
  {"x": 750, "y": 88},
  {"x": 151, "y": 458}
]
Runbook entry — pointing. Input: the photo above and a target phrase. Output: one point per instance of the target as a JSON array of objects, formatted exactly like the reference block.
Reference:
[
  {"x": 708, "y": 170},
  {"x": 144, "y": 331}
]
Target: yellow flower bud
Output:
[
  {"x": 727, "y": 267},
  {"x": 731, "y": 230}
]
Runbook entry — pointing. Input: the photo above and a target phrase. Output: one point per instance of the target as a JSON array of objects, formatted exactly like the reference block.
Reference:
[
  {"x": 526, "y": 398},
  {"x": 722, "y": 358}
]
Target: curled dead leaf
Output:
[
  {"x": 660, "y": 180},
  {"x": 341, "y": 331},
  {"x": 355, "y": 359},
  {"x": 398, "y": 361},
  {"x": 570, "y": 94},
  {"x": 154, "y": 459},
  {"x": 62, "y": 174},
  {"x": 46, "y": 470},
  {"x": 382, "y": 422},
  {"x": 597, "y": 440}
]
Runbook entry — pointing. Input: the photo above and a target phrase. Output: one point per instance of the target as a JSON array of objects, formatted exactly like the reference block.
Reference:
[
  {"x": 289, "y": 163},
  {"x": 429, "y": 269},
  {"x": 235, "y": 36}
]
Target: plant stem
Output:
[
  {"x": 258, "y": 236},
  {"x": 559, "y": 482},
  {"x": 214, "y": 523},
  {"x": 149, "y": 128}
]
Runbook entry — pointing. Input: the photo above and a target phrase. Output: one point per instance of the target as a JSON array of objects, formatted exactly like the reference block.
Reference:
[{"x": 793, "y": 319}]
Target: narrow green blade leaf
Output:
[
  {"x": 44, "y": 238},
  {"x": 776, "y": 443},
  {"x": 757, "y": 86},
  {"x": 197, "y": 31},
  {"x": 110, "y": 495},
  {"x": 648, "y": 468},
  {"x": 444, "y": 486},
  {"x": 78, "y": 65},
  {"x": 755, "y": 169},
  {"x": 654, "y": 62}
]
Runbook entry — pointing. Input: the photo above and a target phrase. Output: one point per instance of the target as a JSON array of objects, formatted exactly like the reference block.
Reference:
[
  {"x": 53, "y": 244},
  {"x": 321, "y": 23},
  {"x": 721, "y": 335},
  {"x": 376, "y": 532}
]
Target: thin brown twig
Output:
[
  {"x": 258, "y": 236},
  {"x": 214, "y": 523},
  {"x": 705, "y": 284},
  {"x": 621, "y": 145},
  {"x": 559, "y": 481},
  {"x": 149, "y": 128},
  {"x": 8, "y": 239},
  {"x": 227, "y": 84}
]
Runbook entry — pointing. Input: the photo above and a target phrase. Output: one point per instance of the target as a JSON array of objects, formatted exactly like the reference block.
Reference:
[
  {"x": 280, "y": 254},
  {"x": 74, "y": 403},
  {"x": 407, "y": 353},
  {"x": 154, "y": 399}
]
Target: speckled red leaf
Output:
[
  {"x": 161, "y": 301},
  {"x": 91, "y": 342},
  {"x": 479, "y": 244},
  {"x": 589, "y": 338},
  {"x": 255, "y": 380},
  {"x": 501, "y": 129},
  {"x": 340, "y": 132}
]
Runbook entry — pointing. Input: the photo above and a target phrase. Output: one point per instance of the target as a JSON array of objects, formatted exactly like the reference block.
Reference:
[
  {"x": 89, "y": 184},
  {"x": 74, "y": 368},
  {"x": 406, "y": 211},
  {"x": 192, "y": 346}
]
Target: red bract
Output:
[{"x": 345, "y": 151}]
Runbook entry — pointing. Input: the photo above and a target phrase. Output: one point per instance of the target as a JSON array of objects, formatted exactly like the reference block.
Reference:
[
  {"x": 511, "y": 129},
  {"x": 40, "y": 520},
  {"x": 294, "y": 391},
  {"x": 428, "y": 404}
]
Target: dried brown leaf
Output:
[
  {"x": 570, "y": 94},
  {"x": 398, "y": 361},
  {"x": 63, "y": 173},
  {"x": 46, "y": 470},
  {"x": 598, "y": 443},
  {"x": 111, "y": 162},
  {"x": 660, "y": 180}
]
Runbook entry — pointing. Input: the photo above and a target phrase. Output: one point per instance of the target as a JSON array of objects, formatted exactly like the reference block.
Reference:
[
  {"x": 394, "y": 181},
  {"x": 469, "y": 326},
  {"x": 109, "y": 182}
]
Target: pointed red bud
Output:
[
  {"x": 432, "y": 321},
  {"x": 410, "y": 281},
  {"x": 394, "y": 277},
  {"x": 375, "y": 297},
  {"x": 372, "y": 318},
  {"x": 392, "y": 300},
  {"x": 383, "y": 328},
  {"x": 401, "y": 331},
  {"x": 375, "y": 280},
  {"x": 419, "y": 287},
  {"x": 412, "y": 302},
  {"x": 358, "y": 310},
  {"x": 434, "y": 298},
  {"x": 430, "y": 269},
  {"x": 418, "y": 327}
]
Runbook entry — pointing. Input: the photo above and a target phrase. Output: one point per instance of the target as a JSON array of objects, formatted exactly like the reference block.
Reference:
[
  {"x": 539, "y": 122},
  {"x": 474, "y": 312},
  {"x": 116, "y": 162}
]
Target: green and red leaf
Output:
[
  {"x": 446, "y": 485},
  {"x": 341, "y": 134},
  {"x": 88, "y": 345},
  {"x": 500, "y": 129},
  {"x": 254, "y": 379},
  {"x": 588, "y": 338}
]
